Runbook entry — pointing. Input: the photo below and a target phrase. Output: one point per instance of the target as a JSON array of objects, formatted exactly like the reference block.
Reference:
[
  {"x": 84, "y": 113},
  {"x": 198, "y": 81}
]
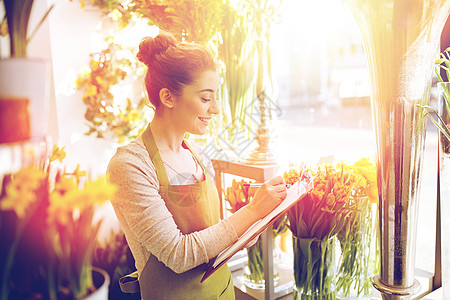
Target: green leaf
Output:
[
  {"x": 305, "y": 246},
  {"x": 40, "y": 23},
  {"x": 443, "y": 129}
]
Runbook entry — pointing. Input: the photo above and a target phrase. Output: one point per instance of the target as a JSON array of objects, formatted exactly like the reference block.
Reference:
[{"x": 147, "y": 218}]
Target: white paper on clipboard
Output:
[{"x": 294, "y": 193}]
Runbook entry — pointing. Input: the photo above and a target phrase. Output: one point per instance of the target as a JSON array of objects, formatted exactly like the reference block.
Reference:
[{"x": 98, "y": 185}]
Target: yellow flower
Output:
[
  {"x": 63, "y": 200},
  {"x": 121, "y": 139},
  {"x": 292, "y": 176},
  {"x": 99, "y": 80},
  {"x": 99, "y": 191},
  {"x": 58, "y": 211},
  {"x": 85, "y": 71},
  {"x": 115, "y": 15},
  {"x": 78, "y": 173},
  {"x": 22, "y": 191},
  {"x": 132, "y": 116},
  {"x": 58, "y": 154},
  {"x": 91, "y": 90},
  {"x": 117, "y": 131},
  {"x": 372, "y": 193},
  {"x": 65, "y": 184},
  {"x": 237, "y": 195},
  {"x": 365, "y": 172}
]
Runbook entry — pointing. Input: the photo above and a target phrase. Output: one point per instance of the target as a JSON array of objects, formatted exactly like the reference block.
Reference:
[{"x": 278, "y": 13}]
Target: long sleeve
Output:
[{"x": 147, "y": 223}]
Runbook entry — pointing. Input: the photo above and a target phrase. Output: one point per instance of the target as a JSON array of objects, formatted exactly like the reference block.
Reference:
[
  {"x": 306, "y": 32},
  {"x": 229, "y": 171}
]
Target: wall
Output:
[{"x": 73, "y": 35}]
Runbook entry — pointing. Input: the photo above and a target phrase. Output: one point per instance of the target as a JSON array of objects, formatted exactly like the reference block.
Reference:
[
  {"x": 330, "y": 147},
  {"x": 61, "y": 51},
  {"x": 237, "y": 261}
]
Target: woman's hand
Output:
[{"x": 268, "y": 196}]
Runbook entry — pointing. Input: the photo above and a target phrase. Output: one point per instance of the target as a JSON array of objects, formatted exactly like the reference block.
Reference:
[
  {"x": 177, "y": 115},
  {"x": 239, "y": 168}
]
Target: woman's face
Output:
[{"x": 197, "y": 103}]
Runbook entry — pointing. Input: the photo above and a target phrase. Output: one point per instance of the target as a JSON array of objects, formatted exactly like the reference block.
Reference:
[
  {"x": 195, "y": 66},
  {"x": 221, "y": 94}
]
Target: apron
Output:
[{"x": 194, "y": 207}]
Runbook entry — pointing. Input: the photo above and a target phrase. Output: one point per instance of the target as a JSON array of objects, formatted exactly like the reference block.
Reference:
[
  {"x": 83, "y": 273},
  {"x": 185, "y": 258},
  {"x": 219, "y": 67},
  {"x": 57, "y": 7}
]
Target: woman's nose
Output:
[{"x": 214, "y": 108}]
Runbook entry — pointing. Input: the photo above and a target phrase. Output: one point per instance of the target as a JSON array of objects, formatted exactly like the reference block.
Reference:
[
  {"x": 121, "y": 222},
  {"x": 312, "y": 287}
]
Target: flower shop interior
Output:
[{"x": 348, "y": 99}]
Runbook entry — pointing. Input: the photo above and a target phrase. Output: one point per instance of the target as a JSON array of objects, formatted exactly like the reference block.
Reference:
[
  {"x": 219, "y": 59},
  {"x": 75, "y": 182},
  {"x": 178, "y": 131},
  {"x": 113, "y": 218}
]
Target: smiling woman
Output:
[
  {"x": 167, "y": 202},
  {"x": 194, "y": 115}
]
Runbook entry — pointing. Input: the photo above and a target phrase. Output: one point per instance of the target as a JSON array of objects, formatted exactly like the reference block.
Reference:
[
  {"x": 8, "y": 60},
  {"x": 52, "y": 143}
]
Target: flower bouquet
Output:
[
  {"x": 237, "y": 196},
  {"x": 314, "y": 221},
  {"x": 48, "y": 231},
  {"x": 358, "y": 237}
]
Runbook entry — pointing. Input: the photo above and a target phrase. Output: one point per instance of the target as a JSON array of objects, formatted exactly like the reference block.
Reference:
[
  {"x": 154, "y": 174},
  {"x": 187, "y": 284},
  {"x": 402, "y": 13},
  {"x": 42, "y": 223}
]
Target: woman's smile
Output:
[{"x": 204, "y": 120}]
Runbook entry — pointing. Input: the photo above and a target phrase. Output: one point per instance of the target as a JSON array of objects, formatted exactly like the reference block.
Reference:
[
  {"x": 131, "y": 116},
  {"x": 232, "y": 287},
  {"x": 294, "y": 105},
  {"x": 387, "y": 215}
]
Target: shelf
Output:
[{"x": 259, "y": 173}]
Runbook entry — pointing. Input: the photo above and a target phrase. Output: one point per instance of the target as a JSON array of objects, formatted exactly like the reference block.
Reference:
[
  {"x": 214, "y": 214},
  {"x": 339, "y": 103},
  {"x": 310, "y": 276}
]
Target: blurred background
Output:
[{"x": 319, "y": 71}]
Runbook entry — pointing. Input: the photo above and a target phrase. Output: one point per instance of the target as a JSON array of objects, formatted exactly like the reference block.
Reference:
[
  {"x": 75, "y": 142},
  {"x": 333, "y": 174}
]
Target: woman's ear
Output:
[{"x": 167, "y": 98}]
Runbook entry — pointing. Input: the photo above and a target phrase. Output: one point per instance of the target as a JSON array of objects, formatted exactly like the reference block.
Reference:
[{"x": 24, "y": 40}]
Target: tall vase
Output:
[
  {"x": 444, "y": 186},
  {"x": 314, "y": 268},
  {"x": 401, "y": 39},
  {"x": 357, "y": 240},
  {"x": 254, "y": 270}
]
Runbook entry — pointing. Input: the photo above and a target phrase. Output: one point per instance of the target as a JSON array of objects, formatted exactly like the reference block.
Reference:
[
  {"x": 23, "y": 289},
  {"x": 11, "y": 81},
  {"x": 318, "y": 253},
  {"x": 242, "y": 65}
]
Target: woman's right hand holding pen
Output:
[{"x": 267, "y": 197}]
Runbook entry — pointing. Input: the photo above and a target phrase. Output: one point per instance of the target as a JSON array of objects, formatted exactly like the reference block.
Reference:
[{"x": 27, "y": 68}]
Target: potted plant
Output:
[
  {"x": 114, "y": 256},
  {"x": 23, "y": 81},
  {"x": 48, "y": 231}
]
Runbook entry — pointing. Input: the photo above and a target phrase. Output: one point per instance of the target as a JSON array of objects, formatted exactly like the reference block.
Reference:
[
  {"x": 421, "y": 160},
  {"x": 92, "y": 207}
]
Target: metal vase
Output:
[
  {"x": 401, "y": 39},
  {"x": 444, "y": 187}
]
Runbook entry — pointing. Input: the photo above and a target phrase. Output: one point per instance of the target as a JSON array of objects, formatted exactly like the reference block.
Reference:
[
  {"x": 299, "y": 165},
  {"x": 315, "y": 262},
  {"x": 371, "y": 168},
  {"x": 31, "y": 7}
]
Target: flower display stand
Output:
[
  {"x": 430, "y": 282},
  {"x": 259, "y": 173}
]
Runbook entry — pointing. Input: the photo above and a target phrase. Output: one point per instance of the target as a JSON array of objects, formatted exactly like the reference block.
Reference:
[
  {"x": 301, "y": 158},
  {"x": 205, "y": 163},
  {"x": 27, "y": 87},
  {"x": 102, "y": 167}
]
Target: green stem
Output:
[
  {"x": 51, "y": 283},
  {"x": 313, "y": 266},
  {"x": 356, "y": 247},
  {"x": 255, "y": 262},
  {"x": 8, "y": 266}
]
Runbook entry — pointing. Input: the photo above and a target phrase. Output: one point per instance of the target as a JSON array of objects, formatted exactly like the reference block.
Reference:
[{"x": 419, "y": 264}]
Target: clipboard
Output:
[{"x": 295, "y": 192}]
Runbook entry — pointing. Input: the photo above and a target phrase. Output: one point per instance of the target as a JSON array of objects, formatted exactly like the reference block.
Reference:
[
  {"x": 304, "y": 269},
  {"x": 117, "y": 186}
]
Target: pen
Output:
[{"x": 259, "y": 184}]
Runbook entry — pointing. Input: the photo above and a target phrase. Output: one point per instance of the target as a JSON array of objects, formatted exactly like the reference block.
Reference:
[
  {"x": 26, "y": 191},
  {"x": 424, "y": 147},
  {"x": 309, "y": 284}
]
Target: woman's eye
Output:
[{"x": 205, "y": 99}]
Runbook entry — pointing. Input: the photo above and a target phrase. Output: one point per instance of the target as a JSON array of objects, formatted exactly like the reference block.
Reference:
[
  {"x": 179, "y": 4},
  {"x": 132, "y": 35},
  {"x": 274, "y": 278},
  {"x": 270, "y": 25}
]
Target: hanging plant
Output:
[{"x": 107, "y": 83}]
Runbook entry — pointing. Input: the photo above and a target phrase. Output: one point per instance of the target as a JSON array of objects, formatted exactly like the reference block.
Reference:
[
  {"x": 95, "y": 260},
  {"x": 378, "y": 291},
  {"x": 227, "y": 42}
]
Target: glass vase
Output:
[
  {"x": 444, "y": 185},
  {"x": 401, "y": 39},
  {"x": 254, "y": 269},
  {"x": 314, "y": 268},
  {"x": 357, "y": 242}
]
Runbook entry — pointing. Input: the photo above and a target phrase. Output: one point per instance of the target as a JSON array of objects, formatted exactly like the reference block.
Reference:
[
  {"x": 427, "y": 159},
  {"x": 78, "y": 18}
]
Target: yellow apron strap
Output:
[
  {"x": 152, "y": 149},
  {"x": 205, "y": 170},
  {"x": 129, "y": 283}
]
